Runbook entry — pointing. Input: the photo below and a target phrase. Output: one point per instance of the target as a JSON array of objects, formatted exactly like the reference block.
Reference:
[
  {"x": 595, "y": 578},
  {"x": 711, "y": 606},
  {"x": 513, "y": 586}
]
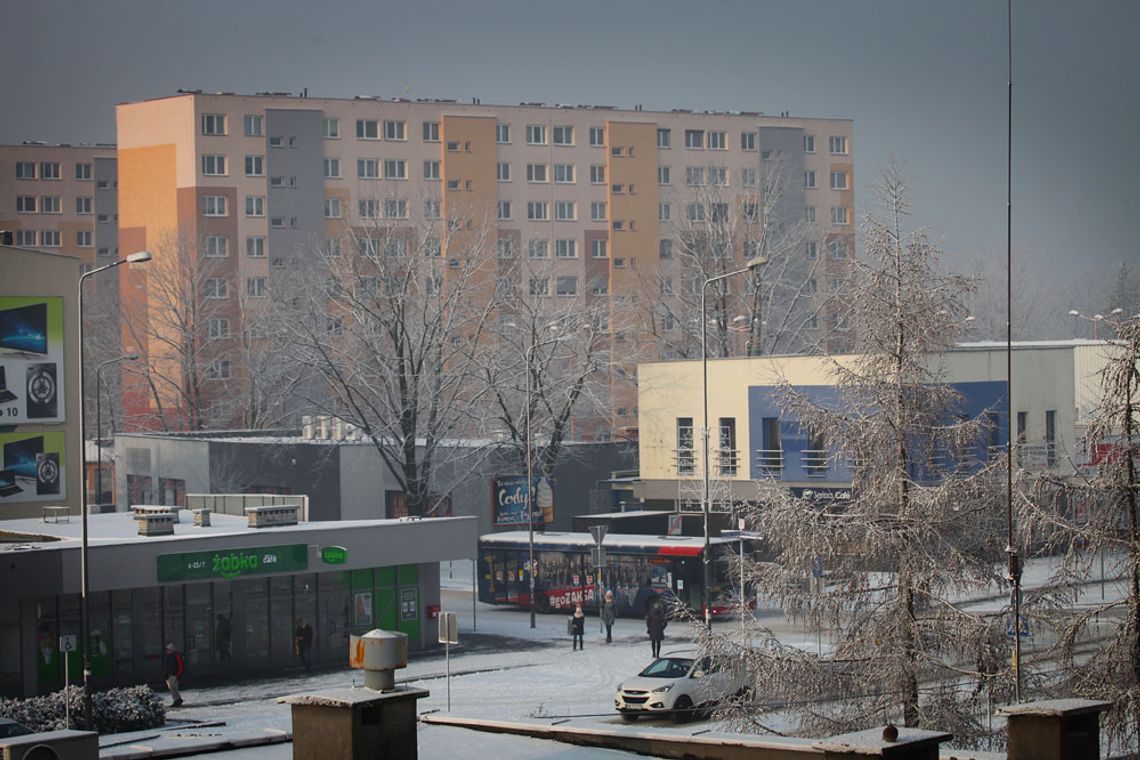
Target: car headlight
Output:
[{"x": 663, "y": 689}]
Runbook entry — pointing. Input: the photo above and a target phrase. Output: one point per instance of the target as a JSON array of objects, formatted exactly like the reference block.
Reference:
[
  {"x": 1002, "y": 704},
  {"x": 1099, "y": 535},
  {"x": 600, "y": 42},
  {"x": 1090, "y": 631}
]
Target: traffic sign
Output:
[
  {"x": 448, "y": 628},
  {"x": 598, "y": 556},
  {"x": 69, "y": 642},
  {"x": 599, "y": 533}
]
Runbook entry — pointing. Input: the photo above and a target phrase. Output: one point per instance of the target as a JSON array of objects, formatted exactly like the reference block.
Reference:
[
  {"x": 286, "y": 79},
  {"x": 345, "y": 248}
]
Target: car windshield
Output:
[
  {"x": 10, "y": 728},
  {"x": 668, "y": 667}
]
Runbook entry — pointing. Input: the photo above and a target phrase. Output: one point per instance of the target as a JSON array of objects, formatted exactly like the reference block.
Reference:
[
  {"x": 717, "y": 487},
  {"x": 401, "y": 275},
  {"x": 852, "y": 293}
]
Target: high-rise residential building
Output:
[{"x": 619, "y": 202}]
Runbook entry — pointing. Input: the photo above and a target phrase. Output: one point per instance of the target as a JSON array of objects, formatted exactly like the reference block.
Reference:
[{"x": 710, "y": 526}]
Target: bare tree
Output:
[
  {"x": 385, "y": 322},
  {"x": 1093, "y": 517},
  {"x": 922, "y": 523}
]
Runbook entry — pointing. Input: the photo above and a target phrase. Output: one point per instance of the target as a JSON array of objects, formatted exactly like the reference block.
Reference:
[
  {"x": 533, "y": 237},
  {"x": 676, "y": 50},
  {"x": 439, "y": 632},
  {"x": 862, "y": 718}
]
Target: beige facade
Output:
[{"x": 593, "y": 182}]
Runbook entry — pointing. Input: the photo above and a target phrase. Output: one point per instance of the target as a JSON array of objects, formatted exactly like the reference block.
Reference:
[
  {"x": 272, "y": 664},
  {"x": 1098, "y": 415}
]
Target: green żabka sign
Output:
[{"x": 227, "y": 564}]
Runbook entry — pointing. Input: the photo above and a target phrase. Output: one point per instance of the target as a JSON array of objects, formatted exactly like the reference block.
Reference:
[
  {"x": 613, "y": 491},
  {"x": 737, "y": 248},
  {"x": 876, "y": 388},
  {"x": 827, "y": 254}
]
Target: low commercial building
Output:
[{"x": 228, "y": 595}]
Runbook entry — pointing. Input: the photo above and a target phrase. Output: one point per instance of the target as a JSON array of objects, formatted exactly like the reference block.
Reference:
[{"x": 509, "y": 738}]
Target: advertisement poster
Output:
[
  {"x": 32, "y": 467},
  {"x": 31, "y": 360},
  {"x": 508, "y": 497},
  {"x": 362, "y": 608}
]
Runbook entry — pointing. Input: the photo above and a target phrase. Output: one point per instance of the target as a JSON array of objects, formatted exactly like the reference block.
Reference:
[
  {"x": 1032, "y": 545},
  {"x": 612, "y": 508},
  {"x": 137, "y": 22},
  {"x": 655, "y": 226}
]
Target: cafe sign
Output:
[{"x": 227, "y": 564}]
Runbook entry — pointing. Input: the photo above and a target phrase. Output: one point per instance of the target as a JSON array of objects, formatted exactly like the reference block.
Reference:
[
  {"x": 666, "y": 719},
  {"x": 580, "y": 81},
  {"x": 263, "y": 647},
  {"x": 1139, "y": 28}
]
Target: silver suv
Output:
[{"x": 678, "y": 685}]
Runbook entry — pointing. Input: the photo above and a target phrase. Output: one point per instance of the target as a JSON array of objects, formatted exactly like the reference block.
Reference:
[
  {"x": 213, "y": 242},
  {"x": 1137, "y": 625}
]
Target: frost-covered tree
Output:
[
  {"x": 1091, "y": 520},
  {"x": 924, "y": 523}
]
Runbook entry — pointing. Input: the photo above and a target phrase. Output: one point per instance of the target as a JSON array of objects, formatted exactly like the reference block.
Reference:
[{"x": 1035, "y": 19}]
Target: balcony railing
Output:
[
  {"x": 815, "y": 462},
  {"x": 771, "y": 461}
]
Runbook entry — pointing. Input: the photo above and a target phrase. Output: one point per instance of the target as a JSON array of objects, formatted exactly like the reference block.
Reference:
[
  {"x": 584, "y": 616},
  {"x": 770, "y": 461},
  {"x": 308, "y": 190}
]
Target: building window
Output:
[
  {"x": 664, "y": 211},
  {"x": 695, "y": 212},
  {"x": 25, "y": 204},
  {"x": 367, "y": 129},
  {"x": 213, "y": 123},
  {"x": 83, "y": 172},
  {"x": 685, "y": 454},
  {"x": 837, "y": 145},
  {"x": 536, "y": 172},
  {"x": 332, "y": 208},
  {"x": 214, "y": 205},
  {"x": 838, "y": 249},
  {"x": 1050, "y": 437},
  {"x": 694, "y": 176},
  {"x": 255, "y": 205},
  {"x": 599, "y": 249},
  {"x": 368, "y": 208},
  {"x": 396, "y": 168},
  {"x": 255, "y": 247},
  {"x": 563, "y": 135},
  {"x": 566, "y": 249},
  {"x": 26, "y": 238},
  {"x": 597, "y": 137},
  {"x": 217, "y": 246},
  {"x": 664, "y": 176},
  {"x": 254, "y": 125},
  {"x": 809, "y": 143},
  {"x": 396, "y": 208},
  {"x": 694, "y": 138},
  {"x": 839, "y": 215},
  {"x": 84, "y": 204},
  {"x": 809, "y": 214},
  {"x": 453, "y": 184},
  {"x": 432, "y": 207},
  {"x": 503, "y": 171},
  {"x": 535, "y": 134},
  {"x": 664, "y": 138},
  {"x": 718, "y": 176},
  {"x": 368, "y": 168},
  {"x": 255, "y": 287},
  {"x": 566, "y": 285},
  {"x": 219, "y": 369},
  {"x": 538, "y": 249},
  {"x": 537, "y": 211},
  {"x": 213, "y": 165},
  {"x": 665, "y": 248},
  {"x": 564, "y": 174},
  {"x": 218, "y": 328},
  {"x": 718, "y": 141},
  {"x": 616, "y": 151},
  {"x": 617, "y": 225},
  {"x": 254, "y": 166},
  {"x": 809, "y": 178},
  {"x": 810, "y": 249},
  {"x": 431, "y": 131},
  {"x": 394, "y": 130},
  {"x": 84, "y": 238},
  {"x": 598, "y": 210},
  {"x": 751, "y": 212},
  {"x": 598, "y": 174},
  {"x": 330, "y": 128},
  {"x": 748, "y": 177},
  {"x": 502, "y": 133},
  {"x": 25, "y": 170},
  {"x": 666, "y": 286},
  {"x": 431, "y": 170},
  {"x": 839, "y": 180},
  {"x": 215, "y": 287},
  {"x": 539, "y": 286},
  {"x": 50, "y": 170},
  {"x": 504, "y": 210},
  {"x": 565, "y": 211},
  {"x": 332, "y": 168},
  {"x": 748, "y": 141},
  {"x": 276, "y": 142}
]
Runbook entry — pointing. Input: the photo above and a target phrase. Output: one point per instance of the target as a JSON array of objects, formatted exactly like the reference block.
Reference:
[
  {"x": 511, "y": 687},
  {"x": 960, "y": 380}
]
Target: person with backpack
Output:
[{"x": 175, "y": 667}]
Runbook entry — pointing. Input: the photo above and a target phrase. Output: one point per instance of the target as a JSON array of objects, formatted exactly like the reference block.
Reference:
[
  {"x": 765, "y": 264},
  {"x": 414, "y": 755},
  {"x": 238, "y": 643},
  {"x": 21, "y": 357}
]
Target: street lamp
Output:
[
  {"x": 529, "y": 356},
  {"x": 85, "y": 623},
  {"x": 99, "y": 419},
  {"x": 755, "y": 263}
]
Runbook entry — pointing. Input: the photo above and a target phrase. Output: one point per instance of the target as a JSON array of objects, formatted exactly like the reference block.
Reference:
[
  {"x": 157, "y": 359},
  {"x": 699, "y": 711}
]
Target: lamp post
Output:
[
  {"x": 85, "y": 618},
  {"x": 99, "y": 419},
  {"x": 1096, "y": 319},
  {"x": 529, "y": 356},
  {"x": 755, "y": 263}
]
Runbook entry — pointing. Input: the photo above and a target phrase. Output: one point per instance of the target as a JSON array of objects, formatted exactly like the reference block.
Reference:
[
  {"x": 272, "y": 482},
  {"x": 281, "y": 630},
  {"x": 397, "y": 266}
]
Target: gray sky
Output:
[{"x": 924, "y": 80}]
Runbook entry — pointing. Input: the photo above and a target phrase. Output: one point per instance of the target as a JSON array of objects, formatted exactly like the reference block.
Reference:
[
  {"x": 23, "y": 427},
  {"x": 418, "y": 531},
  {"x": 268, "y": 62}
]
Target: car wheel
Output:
[
  {"x": 629, "y": 717},
  {"x": 682, "y": 709}
]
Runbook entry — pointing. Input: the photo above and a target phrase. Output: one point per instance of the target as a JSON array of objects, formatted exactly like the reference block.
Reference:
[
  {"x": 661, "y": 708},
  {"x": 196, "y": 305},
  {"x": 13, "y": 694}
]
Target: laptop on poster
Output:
[
  {"x": 5, "y": 394},
  {"x": 8, "y": 485}
]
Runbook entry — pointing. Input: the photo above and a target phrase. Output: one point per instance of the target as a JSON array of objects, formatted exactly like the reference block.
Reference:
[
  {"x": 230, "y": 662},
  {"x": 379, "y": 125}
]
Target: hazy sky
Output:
[{"x": 924, "y": 80}]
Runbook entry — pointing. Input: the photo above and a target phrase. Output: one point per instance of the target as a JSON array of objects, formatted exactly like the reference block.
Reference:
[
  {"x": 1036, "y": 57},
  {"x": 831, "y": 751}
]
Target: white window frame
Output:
[
  {"x": 395, "y": 130},
  {"x": 84, "y": 205},
  {"x": 562, "y": 134},
  {"x": 809, "y": 179},
  {"x": 84, "y": 238},
  {"x": 504, "y": 210},
  {"x": 599, "y": 248},
  {"x": 368, "y": 168},
  {"x": 332, "y": 208},
  {"x": 215, "y": 288},
  {"x": 255, "y": 205},
  {"x": 566, "y": 286},
  {"x": 332, "y": 167},
  {"x": 431, "y": 131},
  {"x": 839, "y": 180},
  {"x": 717, "y": 140},
  {"x": 565, "y": 211},
  {"x": 598, "y": 211},
  {"x": 26, "y": 204},
  {"x": 664, "y": 175},
  {"x": 695, "y": 139},
  {"x": 538, "y": 248},
  {"x": 502, "y": 133},
  {"x": 664, "y": 138},
  {"x": 255, "y": 166},
  {"x": 597, "y": 137},
  {"x": 566, "y": 248},
  {"x": 597, "y": 174},
  {"x": 50, "y": 170},
  {"x": 809, "y": 143},
  {"x": 837, "y": 145},
  {"x": 536, "y": 134},
  {"x": 213, "y": 165},
  {"x": 367, "y": 129},
  {"x": 395, "y": 168},
  {"x": 564, "y": 174},
  {"x": 216, "y": 246},
  {"x": 255, "y": 246},
  {"x": 503, "y": 171},
  {"x": 330, "y": 128},
  {"x": 839, "y": 215},
  {"x": 748, "y": 141},
  {"x": 213, "y": 124},
  {"x": 538, "y": 211},
  {"x": 255, "y": 287},
  {"x": 253, "y": 124},
  {"x": 431, "y": 169},
  {"x": 395, "y": 208},
  {"x": 84, "y": 171},
  {"x": 214, "y": 205},
  {"x": 536, "y": 173}
]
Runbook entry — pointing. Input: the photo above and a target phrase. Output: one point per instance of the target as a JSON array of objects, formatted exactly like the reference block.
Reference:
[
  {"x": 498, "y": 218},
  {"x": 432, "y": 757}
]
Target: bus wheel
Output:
[{"x": 541, "y": 603}]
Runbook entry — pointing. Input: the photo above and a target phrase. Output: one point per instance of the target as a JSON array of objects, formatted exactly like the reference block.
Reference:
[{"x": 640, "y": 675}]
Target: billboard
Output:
[
  {"x": 508, "y": 499},
  {"x": 32, "y": 467},
  {"x": 31, "y": 360}
]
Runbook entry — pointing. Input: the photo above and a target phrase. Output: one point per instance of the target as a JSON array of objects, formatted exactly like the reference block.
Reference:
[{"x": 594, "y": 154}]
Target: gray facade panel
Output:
[{"x": 294, "y": 166}]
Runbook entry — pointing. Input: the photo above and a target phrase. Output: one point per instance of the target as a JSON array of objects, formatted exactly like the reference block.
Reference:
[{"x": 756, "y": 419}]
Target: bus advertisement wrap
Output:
[{"x": 508, "y": 495}]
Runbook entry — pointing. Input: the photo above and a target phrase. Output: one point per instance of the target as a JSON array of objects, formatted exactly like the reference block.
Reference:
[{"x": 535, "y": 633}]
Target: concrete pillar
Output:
[
  {"x": 355, "y": 724},
  {"x": 906, "y": 744},
  {"x": 1056, "y": 729}
]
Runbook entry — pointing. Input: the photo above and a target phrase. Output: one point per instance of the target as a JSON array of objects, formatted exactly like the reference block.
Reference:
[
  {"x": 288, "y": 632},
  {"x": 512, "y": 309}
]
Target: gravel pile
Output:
[{"x": 129, "y": 709}]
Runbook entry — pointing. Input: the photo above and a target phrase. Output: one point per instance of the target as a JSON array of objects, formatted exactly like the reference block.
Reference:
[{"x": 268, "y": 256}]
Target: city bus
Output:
[{"x": 641, "y": 571}]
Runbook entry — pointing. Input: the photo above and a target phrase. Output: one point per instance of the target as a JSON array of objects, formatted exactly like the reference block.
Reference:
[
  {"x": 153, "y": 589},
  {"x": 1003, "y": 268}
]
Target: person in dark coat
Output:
[
  {"x": 655, "y": 623},
  {"x": 303, "y": 641},
  {"x": 577, "y": 627},
  {"x": 609, "y": 614},
  {"x": 175, "y": 667},
  {"x": 223, "y": 636}
]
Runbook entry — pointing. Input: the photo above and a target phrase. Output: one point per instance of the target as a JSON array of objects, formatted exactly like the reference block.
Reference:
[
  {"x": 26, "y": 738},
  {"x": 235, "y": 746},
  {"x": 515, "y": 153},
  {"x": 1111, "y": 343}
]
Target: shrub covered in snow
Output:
[{"x": 129, "y": 709}]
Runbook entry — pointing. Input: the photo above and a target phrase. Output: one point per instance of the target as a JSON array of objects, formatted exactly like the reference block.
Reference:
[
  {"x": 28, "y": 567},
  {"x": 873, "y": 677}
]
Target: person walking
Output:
[
  {"x": 303, "y": 641},
  {"x": 577, "y": 627},
  {"x": 175, "y": 667},
  {"x": 223, "y": 635},
  {"x": 655, "y": 623},
  {"x": 609, "y": 613}
]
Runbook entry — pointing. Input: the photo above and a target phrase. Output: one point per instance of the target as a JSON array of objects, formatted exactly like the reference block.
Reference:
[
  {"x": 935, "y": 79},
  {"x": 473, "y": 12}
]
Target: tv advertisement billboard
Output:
[
  {"x": 32, "y": 467},
  {"x": 31, "y": 360}
]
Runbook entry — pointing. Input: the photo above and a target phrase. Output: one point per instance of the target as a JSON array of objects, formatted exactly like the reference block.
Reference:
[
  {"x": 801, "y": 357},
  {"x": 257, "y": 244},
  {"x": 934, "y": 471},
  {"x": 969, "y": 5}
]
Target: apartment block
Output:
[{"x": 608, "y": 196}]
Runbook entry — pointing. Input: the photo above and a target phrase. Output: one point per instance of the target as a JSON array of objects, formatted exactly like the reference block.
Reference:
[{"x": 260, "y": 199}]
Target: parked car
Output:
[
  {"x": 678, "y": 685},
  {"x": 10, "y": 728}
]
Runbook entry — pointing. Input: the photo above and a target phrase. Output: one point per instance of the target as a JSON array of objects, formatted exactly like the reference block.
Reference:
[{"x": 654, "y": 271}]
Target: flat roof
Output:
[{"x": 612, "y": 540}]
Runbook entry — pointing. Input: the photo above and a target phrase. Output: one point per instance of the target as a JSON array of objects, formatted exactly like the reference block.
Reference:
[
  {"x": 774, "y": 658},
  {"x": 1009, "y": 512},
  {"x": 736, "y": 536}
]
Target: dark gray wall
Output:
[
  {"x": 299, "y": 163},
  {"x": 301, "y": 468}
]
